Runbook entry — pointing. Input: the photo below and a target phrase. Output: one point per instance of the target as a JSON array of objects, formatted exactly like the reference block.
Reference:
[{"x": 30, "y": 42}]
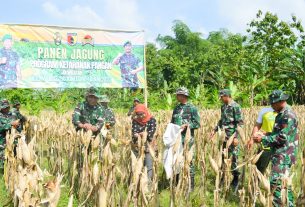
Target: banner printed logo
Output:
[
  {"x": 72, "y": 38},
  {"x": 57, "y": 38},
  {"x": 88, "y": 40}
]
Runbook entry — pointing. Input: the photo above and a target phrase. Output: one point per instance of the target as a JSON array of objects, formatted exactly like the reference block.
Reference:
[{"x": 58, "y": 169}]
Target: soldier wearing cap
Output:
[
  {"x": 231, "y": 118},
  {"x": 6, "y": 124},
  {"x": 186, "y": 115},
  {"x": 130, "y": 65},
  {"x": 136, "y": 101},
  {"x": 9, "y": 63},
  {"x": 16, "y": 114},
  {"x": 89, "y": 115},
  {"x": 283, "y": 141},
  {"x": 109, "y": 117}
]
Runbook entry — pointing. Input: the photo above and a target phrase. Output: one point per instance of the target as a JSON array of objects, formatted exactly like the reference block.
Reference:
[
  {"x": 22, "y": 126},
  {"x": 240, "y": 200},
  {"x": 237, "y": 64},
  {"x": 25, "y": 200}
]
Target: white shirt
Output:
[{"x": 261, "y": 114}]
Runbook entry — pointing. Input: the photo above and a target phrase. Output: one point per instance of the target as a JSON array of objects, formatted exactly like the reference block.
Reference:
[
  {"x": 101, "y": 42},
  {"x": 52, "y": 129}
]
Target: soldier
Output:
[
  {"x": 136, "y": 101},
  {"x": 88, "y": 115},
  {"x": 231, "y": 118},
  {"x": 186, "y": 115},
  {"x": 264, "y": 123},
  {"x": 9, "y": 63},
  {"x": 144, "y": 121},
  {"x": 6, "y": 123},
  {"x": 18, "y": 116},
  {"x": 283, "y": 141},
  {"x": 130, "y": 65},
  {"x": 109, "y": 117}
]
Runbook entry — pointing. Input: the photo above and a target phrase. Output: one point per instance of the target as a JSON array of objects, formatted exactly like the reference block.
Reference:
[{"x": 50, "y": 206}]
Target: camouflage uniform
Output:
[
  {"x": 8, "y": 70},
  {"x": 231, "y": 118},
  {"x": 5, "y": 126},
  {"x": 84, "y": 113},
  {"x": 283, "y": 142},
  {"x": 129, "y": 62},
  {"x": 109, "y": 117},
  {"x": 17, "y": 115},
  {"x": 187, "y": 114}
]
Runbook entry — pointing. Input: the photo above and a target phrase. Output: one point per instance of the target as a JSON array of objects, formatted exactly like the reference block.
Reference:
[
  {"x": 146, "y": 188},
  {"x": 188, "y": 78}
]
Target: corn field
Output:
[{"x": 51, "y": 156}]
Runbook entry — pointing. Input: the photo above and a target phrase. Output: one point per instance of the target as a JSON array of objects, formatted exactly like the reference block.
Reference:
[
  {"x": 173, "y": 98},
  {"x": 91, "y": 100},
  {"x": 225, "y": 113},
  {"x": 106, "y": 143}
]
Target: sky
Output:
[{"x": 153, "y": 16}]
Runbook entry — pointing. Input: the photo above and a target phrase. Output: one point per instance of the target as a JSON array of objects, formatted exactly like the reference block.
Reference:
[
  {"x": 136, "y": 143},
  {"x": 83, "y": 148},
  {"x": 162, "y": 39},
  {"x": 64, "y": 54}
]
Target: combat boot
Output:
[
  {"x": 234, "y": 183},
  {"x": 192, "y": 183}
]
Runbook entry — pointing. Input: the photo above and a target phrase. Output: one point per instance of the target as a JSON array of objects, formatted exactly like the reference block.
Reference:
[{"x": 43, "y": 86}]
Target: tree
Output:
[{"x": 272, "y": 51}]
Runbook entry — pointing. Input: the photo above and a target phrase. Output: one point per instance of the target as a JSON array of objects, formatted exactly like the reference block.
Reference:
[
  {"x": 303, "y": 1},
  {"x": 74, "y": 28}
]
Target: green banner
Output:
[{"x": 63, "y": 57}]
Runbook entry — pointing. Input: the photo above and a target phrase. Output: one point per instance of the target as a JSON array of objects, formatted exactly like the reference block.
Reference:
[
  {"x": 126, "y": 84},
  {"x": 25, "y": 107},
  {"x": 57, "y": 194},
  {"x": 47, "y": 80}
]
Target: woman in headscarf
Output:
[{"x": 143, "y": 120}]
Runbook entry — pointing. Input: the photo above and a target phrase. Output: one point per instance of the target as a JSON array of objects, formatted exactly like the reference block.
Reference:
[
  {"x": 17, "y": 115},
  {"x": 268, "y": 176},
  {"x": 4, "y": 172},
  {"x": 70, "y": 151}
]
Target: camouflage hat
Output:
[
  {"x": 4, "y": 104},
  {"x": 182, "y": 91},
  {"x": 277, "y": 96},
  {"x": 92, "y": 92},
  {"x": 136, "y": 100},
  {"x": 104, "y": 99},
  {"x": 225, "y": 92},
  {"x": 7, "y": 37},
  {"x": 127, "y": 43}
]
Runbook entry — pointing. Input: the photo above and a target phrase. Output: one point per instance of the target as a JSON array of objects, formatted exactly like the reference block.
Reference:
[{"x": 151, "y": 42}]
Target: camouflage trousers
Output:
[{"x": 280, "y": 168}]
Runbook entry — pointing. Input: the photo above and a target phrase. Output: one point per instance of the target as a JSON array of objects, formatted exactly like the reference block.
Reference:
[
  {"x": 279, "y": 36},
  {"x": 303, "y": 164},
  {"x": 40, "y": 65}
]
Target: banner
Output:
[{"x": 64, "y": 57}]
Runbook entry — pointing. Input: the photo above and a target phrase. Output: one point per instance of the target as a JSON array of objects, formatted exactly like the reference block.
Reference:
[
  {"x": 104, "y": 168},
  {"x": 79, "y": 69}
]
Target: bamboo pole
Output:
[{"x": 145, "y": 77}]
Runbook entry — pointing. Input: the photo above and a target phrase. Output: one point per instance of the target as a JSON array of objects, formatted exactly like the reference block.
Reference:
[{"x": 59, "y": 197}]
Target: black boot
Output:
[
  {"x": 234, "y": 183},
  {"x": 177, "y": 179},
  {"x": 192, "y": 183}
]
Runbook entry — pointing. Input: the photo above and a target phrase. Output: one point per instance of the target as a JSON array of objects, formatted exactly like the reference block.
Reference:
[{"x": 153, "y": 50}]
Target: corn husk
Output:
[
  {"x": 95, "y": 143},
  {"x": 70, "y": 203},
  {"x": 230, "y": 141},
  {"x": 102, "y": 197},
  {"x": 95, "y": 174},
  {"x": 213, "y": 164},
  {"x": 264, "y": 181},
  {"x": 242, "y": 134},
  {"x": 262, "y": 199},
  {"x": 26, "y": 155}
]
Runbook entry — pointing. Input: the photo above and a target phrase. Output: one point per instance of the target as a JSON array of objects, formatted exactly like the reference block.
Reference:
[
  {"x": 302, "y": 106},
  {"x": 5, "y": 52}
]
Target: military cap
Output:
[
  {"x": 127, "y": 43},
  {"x": 277, "y": 96},
  {"x": 92, "y": 92},
  {"x": 182, "y": 91},
  {"x": 225, "y": 92}
]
